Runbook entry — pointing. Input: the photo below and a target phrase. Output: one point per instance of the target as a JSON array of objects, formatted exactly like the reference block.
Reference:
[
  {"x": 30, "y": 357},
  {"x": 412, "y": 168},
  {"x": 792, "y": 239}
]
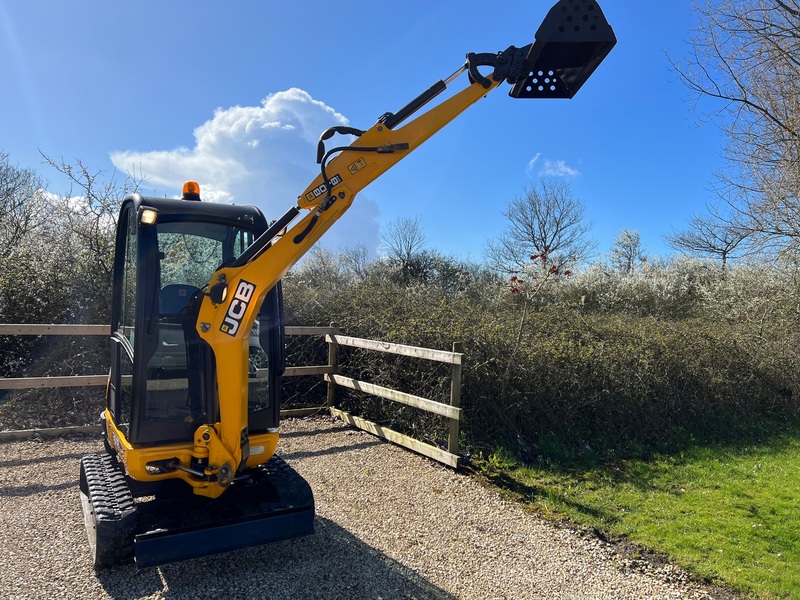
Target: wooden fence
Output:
[
  {"x": 330, "y": 372},
  {"x": 452, "y": 410}
]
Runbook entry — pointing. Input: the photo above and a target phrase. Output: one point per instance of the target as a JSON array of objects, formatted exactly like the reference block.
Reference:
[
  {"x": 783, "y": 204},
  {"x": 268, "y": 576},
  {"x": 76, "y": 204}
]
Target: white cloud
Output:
[
  {"x": 558, "y": 168},
  {"x": 532, "y": 162},
  {"x": 552, "y": 168},
  {"x": 263, "y": 155}
]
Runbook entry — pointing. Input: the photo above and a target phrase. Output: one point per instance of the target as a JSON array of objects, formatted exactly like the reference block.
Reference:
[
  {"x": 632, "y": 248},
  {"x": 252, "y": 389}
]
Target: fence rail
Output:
[
  {"x": 329, "y": 372},
  {"x": 54, "y": 329},
  {"x": 22, "y": 383},
  {"x": 66, "y": 329},
  {"x": 452, "y": 410}
]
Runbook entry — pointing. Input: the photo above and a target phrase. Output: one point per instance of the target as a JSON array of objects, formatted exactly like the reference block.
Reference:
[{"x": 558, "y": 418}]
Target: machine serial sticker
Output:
[
  {"x": 321, "y": 189},
  {"x": 357, "y": 166},
  {"x": 238, "y": 307}
]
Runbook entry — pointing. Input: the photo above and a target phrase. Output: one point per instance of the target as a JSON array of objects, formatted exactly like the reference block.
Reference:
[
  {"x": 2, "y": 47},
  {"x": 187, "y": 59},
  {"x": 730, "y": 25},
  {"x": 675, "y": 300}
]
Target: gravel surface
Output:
[{"x": 390, "y": 524}]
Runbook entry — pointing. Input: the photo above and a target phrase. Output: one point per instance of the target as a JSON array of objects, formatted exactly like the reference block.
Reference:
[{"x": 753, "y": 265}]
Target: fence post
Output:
[
  {"x": 455, "y": 400},
  {"x": 334, "y": 365}
]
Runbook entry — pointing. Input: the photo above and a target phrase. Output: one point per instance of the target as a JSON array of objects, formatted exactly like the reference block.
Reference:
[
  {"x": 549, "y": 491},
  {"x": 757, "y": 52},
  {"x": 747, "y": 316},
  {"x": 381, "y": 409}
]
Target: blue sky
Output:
[{"x": 235, "y": 95}]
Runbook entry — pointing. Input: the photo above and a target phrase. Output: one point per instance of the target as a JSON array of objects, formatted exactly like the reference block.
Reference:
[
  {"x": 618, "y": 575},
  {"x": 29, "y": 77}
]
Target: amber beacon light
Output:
[{"x": 191, "y": 191}]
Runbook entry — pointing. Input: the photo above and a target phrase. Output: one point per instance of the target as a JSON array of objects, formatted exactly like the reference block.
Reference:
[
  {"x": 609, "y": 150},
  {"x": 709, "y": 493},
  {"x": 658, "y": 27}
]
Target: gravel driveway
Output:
[{"x": 390, "y": 524}]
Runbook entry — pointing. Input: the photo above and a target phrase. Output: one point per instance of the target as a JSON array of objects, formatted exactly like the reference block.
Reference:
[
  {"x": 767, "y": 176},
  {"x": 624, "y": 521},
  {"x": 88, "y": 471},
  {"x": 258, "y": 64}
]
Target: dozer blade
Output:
[
  {"x": 273, "y": 503},
  {"x": 571, "y": 42}
]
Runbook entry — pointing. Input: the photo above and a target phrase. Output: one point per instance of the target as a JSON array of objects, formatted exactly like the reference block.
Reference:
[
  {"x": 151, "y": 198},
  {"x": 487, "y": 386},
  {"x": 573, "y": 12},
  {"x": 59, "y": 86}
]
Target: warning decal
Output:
[{"x": 357, "y": 166}]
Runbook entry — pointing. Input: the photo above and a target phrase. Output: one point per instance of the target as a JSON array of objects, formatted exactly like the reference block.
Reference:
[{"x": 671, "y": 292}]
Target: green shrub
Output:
[{"x": 605, "y": 380}]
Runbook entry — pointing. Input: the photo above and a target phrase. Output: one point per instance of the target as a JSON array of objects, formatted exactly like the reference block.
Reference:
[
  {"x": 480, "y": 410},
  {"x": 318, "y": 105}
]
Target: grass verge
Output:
[{"x": 728, "y": 514}]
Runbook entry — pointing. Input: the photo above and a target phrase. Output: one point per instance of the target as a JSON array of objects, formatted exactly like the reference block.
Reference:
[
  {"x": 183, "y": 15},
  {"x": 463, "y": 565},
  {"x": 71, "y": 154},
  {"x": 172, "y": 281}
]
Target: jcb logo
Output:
[{"x": 237, "y": 307}]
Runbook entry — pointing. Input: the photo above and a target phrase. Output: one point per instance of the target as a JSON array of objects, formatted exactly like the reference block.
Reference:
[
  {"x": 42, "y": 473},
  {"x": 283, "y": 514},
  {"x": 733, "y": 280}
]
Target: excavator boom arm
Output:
[
  {"x": 555, "y": 65},
  {"x": 226, "y": 325}
]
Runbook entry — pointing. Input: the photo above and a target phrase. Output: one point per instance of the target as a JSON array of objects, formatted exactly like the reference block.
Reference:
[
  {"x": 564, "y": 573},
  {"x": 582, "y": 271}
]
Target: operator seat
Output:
[{"x": 174, "y": 298}]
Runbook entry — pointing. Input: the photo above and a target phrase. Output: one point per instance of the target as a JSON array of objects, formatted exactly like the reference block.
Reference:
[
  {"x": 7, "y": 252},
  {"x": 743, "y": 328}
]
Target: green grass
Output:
[{"x": 729, "y": 514}]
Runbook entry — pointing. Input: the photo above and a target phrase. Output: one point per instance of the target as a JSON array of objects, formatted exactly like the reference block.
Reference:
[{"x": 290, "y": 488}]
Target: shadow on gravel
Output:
[
  {"x": 36, "y": 460},
  {"x": 288, "y": 455},
  {"x": 330, "y": 564},
  {"x": 36, "y": 488},
  {"x": 338, "y": 428}
]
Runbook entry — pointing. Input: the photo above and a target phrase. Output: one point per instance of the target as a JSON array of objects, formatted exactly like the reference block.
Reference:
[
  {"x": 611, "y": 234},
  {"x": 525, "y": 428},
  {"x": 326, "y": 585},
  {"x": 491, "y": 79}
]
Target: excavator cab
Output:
[{"x": 167, "y": 251}]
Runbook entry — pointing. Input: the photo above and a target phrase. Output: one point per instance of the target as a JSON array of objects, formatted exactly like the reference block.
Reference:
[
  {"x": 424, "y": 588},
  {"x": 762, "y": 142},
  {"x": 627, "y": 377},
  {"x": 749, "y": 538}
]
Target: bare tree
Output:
[
  {"x": 22, "y": 204},
  {"x": 713, "y": 236},
  {"x": 403, "y": 238},
  {"x": 545, "y": 221},
  {"x": 87, "y": 215},
  {"x": 90, "y": 209},
  {"x": 356, "y": 260},
  {"x": 627, "y": 251},
  {"x": 746, "y": 56},
  {"x": 322, "y": 269},
  {"x": 404, "y": 243}
]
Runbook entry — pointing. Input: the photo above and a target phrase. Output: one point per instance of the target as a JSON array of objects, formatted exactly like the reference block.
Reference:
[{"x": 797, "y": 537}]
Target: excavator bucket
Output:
[{"x": 571, "y": 42}]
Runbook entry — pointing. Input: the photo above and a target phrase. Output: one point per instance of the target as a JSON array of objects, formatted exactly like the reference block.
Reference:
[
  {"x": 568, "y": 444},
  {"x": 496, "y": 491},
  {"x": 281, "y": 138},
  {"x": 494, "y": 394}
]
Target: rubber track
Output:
[{"x": 115, "y": 517}]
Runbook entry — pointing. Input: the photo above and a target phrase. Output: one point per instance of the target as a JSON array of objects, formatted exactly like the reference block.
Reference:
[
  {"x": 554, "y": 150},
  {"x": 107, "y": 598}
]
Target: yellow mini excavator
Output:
[{"x": 197, "y": 349}]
